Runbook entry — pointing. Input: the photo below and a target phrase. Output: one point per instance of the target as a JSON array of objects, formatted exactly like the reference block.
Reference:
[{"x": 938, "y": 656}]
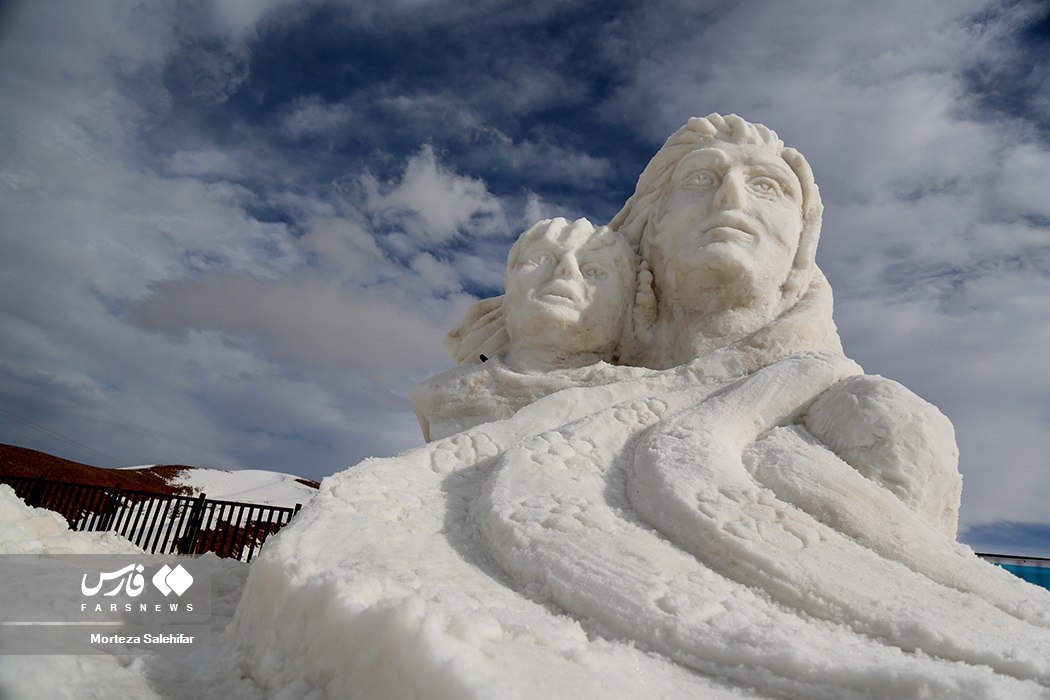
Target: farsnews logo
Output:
[
  {"x": 168, "y": 580},
  {"x": 130, "y": 579}
]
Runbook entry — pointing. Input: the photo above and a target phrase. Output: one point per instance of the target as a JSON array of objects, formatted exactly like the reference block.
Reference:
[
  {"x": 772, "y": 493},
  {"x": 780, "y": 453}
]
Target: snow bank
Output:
[
  {"x": 248, "y": 485},
  {"x": 26, "y": 530},
  {"x": 207, "y": 673},
  {"x": 665, "y": 536}
]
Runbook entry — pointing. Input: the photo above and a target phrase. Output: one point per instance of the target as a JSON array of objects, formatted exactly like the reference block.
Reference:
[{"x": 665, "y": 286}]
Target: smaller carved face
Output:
[
  {"x": 570, "y": 284},
  {"x": 732, "y": 210}
]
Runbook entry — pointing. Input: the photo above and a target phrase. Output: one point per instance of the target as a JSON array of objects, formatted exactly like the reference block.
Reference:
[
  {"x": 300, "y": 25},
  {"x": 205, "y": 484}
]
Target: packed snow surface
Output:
[
  {"x": 689, "y": 539},
  {"x": 559, "y": 553},
  {"x": 247, "y": 485}
]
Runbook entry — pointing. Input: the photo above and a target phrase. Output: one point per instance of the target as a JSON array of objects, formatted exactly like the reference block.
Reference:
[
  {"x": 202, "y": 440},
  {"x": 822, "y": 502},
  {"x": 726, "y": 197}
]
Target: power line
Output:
[
  {"x": 28, "y": 438},
  {"x": 109, "y": 458}
]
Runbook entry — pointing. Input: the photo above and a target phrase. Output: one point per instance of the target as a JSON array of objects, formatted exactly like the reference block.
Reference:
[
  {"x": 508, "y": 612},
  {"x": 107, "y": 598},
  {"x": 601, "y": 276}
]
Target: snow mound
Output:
[
  {"x": 26, "y": 530},
  {"x": 248, "y": 485},
  {"x": 207, "y": 673},
  {"x": 686, "y": 538}
]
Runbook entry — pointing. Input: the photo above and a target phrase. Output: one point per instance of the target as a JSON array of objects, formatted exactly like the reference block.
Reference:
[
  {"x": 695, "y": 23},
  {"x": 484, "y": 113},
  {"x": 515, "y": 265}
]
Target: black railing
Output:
[{"x": 158, "y": 522}]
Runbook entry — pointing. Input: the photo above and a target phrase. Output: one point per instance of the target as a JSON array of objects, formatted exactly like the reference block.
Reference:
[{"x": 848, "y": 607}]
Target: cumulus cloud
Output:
[
  {"x": 1023, "y": 185},
  {"x": 237, "y": 359},
  {"x": 312, "y": 116},
  {"x": 209, "y": 70},
  {"x": 347, "y": 306},
  {"x": 381, "y": 333},
  {"x": 432, "y": 204},
  {"x": 240, "y": 18},
  {"x": 233, "y": 236},
  {"x": 551, "y": 164},
  {"x": 205, "y": 162}
]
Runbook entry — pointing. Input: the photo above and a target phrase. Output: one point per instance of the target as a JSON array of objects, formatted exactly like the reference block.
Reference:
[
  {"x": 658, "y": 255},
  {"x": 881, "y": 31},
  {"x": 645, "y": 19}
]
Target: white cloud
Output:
[
  {"x": 551, "y": 163},
  {"x": 209, "y": 70},
  {"x": 312, "y": 116},
  {"x": 438, "y": 276},
  {"x": 1025, "y": 181},
  {"x": 291, "y": 346},
  {"x": 205, "y": 162},
  {"x": 344, "y": 247},
  {"x": 280, "y": 350},
  {"x": 239, "y": 18},
  {"x": 380, "y": 332},
  {"x": 535, "y": 209},
  {"x": 433, "y": 204},
  {"x": 343, "y": 304}
]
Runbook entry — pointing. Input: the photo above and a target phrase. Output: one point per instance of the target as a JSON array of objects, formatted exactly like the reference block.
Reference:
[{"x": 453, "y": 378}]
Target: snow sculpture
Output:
[
  {"x": 569, "y": 288},
  {"x": 685, "y": 490},
  {"x": 727, "y": 219},
  {"x": 568, "y": 293}
]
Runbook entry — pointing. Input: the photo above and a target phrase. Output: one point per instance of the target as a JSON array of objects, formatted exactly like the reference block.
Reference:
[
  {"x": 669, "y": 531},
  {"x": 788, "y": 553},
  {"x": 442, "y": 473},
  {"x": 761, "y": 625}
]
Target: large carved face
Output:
[
  {"x": 568, "y": 286},
  {"x": 733, "y": 213}
]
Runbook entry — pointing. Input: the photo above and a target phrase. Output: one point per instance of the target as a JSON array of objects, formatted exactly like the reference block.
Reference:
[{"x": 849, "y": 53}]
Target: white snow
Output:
[
  {"x": 744, "y": 515},
  {"x": 206, "y": 674},
  {"x": 447, "y": 572},
  {"x": 248, "y": 485},
  {"x": 576, "y": 550},
  {"x": 202, "y": 674},
  {"x": 26, "y": 530}
]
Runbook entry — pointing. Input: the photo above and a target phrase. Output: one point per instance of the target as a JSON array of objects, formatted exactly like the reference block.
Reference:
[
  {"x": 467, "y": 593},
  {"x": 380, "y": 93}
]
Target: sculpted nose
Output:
[
  {"x": 567, "y": 267},
  {"x": 730, "y": 194}
]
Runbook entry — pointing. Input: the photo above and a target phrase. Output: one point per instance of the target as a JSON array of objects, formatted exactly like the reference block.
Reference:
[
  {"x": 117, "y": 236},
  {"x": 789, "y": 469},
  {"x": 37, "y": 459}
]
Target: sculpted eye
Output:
[
  {"x": 595, "y": 272},
  {"x": 701, "y": 180},
  {"x": 539, "y": 259},
  {"x": 765, "y": 186}
]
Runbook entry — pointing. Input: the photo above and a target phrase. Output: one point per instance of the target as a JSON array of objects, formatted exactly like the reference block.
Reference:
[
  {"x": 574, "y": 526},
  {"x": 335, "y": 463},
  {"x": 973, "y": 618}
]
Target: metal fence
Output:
[{"x": 158, "y": 522}]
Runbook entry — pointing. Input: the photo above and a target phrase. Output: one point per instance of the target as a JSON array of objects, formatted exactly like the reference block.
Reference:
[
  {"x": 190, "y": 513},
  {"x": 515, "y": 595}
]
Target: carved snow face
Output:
[
  {"x": 734, "y": 211},
  {"x": 569, "y": 286}
]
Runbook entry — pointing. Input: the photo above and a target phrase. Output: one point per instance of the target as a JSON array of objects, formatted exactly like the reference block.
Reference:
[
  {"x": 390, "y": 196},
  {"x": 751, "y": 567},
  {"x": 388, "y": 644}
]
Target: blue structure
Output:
[{"x": 1032, "y": 569}]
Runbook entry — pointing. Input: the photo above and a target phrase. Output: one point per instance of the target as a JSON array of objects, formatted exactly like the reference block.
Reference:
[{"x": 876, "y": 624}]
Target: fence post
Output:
[
  {"x": 36, "y": 494},
  {"x": 109, "y": 512},
  {"x": 189, "y": 540}
]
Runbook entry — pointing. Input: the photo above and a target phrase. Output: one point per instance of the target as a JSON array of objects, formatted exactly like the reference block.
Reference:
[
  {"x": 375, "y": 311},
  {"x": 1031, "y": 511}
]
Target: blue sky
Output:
[{"x": 235, "y": 233}]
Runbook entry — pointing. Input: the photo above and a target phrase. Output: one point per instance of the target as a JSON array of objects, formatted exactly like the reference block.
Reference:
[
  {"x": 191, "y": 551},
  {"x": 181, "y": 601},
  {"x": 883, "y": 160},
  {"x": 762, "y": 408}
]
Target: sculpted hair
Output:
[
  {"x": 603, "y": 237},
  {"x": 635, "y": 219}
]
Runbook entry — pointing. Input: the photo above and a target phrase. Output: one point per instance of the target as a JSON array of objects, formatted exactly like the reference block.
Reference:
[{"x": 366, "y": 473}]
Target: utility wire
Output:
[
  {"x": 30, "y": 440},
  {"x": 110, "y": 458}
]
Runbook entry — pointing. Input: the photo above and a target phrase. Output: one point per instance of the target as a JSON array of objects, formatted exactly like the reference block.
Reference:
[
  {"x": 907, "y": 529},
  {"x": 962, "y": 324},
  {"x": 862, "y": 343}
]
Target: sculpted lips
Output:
[
  {"x": 559, "y": 292},
  {"x": 727, "y": 226}
]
